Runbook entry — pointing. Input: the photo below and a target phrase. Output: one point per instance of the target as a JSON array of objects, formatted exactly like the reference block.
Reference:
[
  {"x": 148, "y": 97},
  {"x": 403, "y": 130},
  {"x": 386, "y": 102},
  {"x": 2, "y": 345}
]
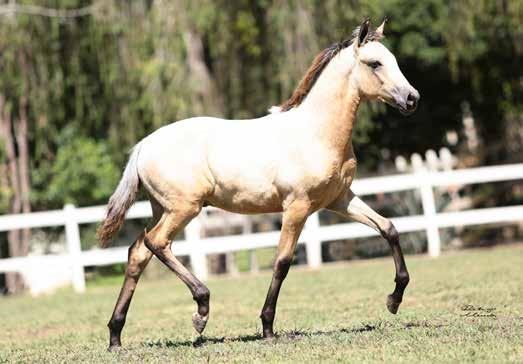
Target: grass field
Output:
[{"x": 337, "y": 314}]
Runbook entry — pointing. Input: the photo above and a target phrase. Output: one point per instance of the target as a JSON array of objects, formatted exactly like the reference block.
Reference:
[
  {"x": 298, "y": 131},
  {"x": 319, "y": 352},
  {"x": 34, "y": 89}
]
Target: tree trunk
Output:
[
  {"x": 13, "y": 281},
  {"x": 23, "y": 153},
  {"x": 17, "y": 183},
  {"x": 206, "y": 93}
]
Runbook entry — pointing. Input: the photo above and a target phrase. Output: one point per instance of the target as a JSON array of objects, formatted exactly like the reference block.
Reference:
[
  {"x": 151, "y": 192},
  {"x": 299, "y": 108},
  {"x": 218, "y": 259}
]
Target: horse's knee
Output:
[
  {"x": 281, "y": 267},
  {"x": 390, "y": 233}
]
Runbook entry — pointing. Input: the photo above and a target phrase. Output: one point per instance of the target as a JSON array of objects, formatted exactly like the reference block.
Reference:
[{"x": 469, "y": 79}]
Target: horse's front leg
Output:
[
  {"x": 352, "y": 207},
  {"x": 293, "y": 220}
]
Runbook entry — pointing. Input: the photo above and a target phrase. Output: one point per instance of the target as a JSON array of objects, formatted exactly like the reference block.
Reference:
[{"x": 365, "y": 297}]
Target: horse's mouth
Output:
[{"x": 402, "y": 109}]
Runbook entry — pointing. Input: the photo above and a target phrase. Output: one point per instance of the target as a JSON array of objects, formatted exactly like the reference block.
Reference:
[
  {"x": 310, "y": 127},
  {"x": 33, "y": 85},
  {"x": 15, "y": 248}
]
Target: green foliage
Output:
[
  {"x": 82, "y": 173},
  {"x": 124, "y": 71}
]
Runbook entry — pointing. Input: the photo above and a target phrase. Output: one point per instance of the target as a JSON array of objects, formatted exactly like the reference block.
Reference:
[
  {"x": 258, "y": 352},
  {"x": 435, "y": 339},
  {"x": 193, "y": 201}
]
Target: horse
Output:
[{"x": 296, "y": 160}]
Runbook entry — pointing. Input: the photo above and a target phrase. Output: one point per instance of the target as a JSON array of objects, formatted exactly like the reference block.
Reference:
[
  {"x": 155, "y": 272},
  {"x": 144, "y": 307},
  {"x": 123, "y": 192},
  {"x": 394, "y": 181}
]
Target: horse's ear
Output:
[
  {"x": 363, "y": 32},
  {"x": 379, "y": 30}
]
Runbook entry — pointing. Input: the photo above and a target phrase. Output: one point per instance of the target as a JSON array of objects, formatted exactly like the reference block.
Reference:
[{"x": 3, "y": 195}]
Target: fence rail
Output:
[{"x": 313, "y": 235}]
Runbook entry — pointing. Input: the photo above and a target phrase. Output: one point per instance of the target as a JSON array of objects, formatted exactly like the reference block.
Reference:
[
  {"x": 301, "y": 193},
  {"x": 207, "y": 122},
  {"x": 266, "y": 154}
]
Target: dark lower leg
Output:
[
  {"x": 281, "y": 268},
  {"x": 402, "y": 275},
  {"x": 120, "y": 312},
  {"x": 199, "y": 291},
  {"x": 292, "y": 224},
  {"x": 139, "y": 257},
  {"x": 354, "y": 208}
]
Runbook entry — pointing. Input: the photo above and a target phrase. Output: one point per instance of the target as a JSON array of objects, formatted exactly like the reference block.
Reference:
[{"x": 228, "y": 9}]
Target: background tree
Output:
[{"x": 82, "y": 81}]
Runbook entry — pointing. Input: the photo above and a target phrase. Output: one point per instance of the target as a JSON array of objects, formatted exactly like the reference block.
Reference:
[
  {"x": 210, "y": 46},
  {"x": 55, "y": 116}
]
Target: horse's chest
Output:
[
  {"x": 347, "y": 172},
  {"x": 344, "y": 176},
  {"x": 332, "y": 181}
]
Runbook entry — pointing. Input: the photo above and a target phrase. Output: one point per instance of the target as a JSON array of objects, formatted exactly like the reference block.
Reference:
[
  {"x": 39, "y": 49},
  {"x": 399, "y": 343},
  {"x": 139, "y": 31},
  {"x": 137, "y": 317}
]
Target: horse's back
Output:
[
  {"x": 174, "y": 160},
  {"x": 212, "y": 159}
]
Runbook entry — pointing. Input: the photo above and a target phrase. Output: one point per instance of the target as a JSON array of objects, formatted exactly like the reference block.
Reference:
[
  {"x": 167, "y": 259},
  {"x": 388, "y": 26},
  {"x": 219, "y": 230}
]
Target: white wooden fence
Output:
[{"x": 313, "y": 235}]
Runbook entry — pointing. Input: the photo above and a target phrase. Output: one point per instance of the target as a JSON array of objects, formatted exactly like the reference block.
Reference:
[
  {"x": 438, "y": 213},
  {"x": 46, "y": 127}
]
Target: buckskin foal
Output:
[{"x": 296, "y": 160}]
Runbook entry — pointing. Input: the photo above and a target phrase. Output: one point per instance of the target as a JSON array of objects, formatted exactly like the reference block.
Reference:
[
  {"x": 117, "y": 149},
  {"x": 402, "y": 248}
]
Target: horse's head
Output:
[{"x": 377, "y": 72}]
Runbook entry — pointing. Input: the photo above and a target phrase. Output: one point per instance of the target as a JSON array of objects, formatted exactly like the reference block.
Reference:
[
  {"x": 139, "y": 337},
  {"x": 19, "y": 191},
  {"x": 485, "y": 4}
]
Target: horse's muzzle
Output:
[{"x": 410, "y": 104}]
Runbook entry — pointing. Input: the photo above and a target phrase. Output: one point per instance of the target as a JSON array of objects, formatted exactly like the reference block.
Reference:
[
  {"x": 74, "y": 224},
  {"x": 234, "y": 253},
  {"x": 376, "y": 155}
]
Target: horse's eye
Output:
[{"x": 374, "y": 64}]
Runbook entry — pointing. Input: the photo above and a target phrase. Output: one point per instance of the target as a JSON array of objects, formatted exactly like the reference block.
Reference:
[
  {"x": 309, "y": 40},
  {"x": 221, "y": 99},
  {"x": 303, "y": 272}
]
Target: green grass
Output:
[{"x": 336, "y": 314}]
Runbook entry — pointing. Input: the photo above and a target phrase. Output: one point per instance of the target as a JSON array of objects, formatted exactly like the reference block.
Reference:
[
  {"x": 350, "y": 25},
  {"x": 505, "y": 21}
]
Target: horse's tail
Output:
[{"x": 121, "y": 200}]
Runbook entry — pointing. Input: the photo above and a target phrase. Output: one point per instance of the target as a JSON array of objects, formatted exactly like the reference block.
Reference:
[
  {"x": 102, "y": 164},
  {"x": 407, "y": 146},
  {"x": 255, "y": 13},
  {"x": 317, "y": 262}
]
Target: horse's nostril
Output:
[{"x": 411, "y": 101}]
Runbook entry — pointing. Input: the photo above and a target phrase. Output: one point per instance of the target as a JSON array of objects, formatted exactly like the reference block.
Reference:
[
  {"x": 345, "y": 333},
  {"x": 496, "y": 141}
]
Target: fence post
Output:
[
  {"x": 429, "y": 211},
  {"x": 313, "y": 243},
  {"x": 253, "y": 260},
  {"x": 197, "y": 256},
  {"x": 74, "y": 248}
]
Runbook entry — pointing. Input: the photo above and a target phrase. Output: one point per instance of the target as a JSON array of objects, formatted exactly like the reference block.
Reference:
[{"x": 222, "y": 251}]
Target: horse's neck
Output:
[{"x": 333, "y": 103}]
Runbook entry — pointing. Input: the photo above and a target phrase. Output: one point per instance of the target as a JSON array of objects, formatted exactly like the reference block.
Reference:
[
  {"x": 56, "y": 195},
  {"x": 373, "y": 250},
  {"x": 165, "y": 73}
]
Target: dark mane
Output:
[{"x": 318, "y": 65}]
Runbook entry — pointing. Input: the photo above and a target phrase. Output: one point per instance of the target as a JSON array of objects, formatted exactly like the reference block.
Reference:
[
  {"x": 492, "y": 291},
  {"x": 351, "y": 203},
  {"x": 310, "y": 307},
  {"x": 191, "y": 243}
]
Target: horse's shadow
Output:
[{"x": 294, "y": 334}]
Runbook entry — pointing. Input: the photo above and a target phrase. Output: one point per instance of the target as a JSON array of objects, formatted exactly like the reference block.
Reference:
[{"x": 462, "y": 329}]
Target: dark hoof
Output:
[
  {"x": 199, "y": 322},
  {"x": 269, "y": 336},
  {"x": 392, "y": 305},
  {"x": 268, "y": 333},
  {"x": 114, "y": 348}
]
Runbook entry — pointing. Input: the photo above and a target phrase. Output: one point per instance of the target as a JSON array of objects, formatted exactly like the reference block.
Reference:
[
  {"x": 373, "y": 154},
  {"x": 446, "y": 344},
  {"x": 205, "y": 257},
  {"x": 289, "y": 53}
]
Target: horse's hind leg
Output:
[
  {"x": 354, "y": 208},
  {"x": 138, "y": 258},
  {"x": 158, "y": 240}
]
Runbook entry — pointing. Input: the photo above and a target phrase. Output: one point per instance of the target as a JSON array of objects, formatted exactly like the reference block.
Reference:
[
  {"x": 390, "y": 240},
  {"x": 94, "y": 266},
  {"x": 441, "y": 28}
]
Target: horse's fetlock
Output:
[
  {"x": 267, "y": 315},
  {"x": 202, "y": 294},
  {"x": 402, "y": 279},
  {"x": 117, "y": 322}
]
